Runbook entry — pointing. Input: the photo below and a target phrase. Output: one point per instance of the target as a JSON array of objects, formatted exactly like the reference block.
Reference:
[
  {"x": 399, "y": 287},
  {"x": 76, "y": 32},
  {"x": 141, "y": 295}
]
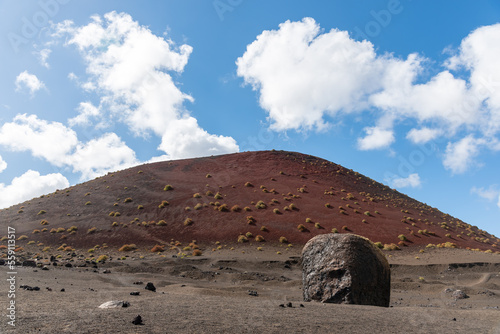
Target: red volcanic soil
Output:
[{"x": 324, "y": 195}]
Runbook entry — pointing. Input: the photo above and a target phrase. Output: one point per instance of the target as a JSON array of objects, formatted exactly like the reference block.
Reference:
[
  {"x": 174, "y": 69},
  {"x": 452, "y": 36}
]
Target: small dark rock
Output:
[
  {"x": 138, "y": 283},
  {"x": 48, "y": 289},
  {"x": 137, "y": 320},
  {"x": 459, "y": 294},
  {"x": 454, "y": 319},
  {"x": 62, "y": 290},
  {"x": 282, "y": 305},
  {"x": 150, "y": 286},
  {"x": 52, "y": 258},
  {"x": 29, "y": 263},
  {"x": 135, "y": 293},
  {"x": 68, "y": 265},
  {"x": 45, "y": 268},
  {"x": 252, "y": 293},
  {"x": 106, "y": 271},
  {"x": 302, "y": 305},
  {"x": 289, "y": 304}
]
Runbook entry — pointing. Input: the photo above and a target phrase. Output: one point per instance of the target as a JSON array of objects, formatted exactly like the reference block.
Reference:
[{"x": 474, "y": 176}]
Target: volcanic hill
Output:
[{"x": 266, "y": 195}]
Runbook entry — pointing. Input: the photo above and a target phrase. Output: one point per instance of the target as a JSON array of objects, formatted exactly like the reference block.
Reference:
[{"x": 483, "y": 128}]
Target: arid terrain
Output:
[
  {"x": 234, "y": 292},
  {"x": 220, "y": 238}
]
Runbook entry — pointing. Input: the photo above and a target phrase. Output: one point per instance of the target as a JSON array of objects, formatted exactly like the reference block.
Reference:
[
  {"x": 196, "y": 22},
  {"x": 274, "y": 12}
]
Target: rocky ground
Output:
[{"x": 249, "y": 291}]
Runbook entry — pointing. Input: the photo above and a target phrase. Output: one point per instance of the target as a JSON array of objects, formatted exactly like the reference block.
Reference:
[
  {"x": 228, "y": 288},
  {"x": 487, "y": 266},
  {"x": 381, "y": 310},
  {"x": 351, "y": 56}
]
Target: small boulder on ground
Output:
[
  {"x": 114, "y": 304},
  {"x": 345, "y": 269},
  {"x": 150, "y": 286},
  {"x": 29, "y": 263}
]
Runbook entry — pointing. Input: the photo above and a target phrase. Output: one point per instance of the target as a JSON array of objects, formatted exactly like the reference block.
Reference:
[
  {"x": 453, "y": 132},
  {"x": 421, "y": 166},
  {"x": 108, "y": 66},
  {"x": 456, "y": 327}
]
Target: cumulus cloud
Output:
[
  {"x": 423, "y": 135},
  {"x": 303, "y": 75},
  {"x": 86, "y": 111},
  {"x": 28, "y": 81},
  {"x": 52, "y": 141},
  {"x": 306, "y": 77},
  {"x": 184, "y": 139},
  {"x": 376, "y": 138},
  {"x": 413, "y": 181},
  {"x": 460, "y": 156},
  {"x": 102, "y": 155},
  {"x": 131, "y": 70},
  {"x": 30, "y": 184},
  {"x": 3, "y": 164},
  {"x": 59, "y": 146}
]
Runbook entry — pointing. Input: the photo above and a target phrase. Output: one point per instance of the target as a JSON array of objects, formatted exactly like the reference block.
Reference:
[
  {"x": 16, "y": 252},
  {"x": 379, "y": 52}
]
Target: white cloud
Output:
[
  {"x": 43, "y": 55},
  {"x": 130, "y": 68},
  {"x": 99, "y": 156},
  {"x": 460, "y": 156},
  {"x": 86, "y": 111},
  {"x": 490, "y": 193},
  {"x": 28, "y": 81},
  {"x": 413, "y": 181},
  {"x": 376, "y": 138},
  {"x": 59, "y": 146},
  {"x": 3, "y": 164},
  {"x": 30, "y": 184},
  {"x": 304, "y": 75},
  {"x": 51, "y": 141},
  {"x": 186, "y": 139},
  {"x": 423, "y": 135}
]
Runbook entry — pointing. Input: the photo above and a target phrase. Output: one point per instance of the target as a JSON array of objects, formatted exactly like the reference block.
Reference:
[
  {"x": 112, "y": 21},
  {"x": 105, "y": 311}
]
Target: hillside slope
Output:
[{"x": 212, "y": 197}]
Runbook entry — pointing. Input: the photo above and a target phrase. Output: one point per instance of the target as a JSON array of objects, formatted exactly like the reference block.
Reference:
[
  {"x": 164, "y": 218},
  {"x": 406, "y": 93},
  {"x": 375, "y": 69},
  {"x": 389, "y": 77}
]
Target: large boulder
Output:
[{"x": 345, "y": 269}]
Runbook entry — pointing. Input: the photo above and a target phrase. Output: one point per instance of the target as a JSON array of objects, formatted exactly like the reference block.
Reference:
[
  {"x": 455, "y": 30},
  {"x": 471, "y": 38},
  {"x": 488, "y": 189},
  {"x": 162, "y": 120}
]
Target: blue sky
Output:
[{"x": 405, "y": 92}]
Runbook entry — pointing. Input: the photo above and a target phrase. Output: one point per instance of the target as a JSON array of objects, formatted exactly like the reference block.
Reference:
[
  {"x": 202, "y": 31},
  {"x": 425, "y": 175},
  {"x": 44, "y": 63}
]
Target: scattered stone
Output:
[
  {"x": 114, "y": 304},
  {"x": 459, "y": 294},
  {"x": 135, "y": 293},
  {"x": 52, "y": 258},
  {"x": 252, "y": 293},
  {"x": 2, "y": 262},
  {"x": 68, "y": 265},
  {"x": 29, "y": 263},
  {"x": 448, "y": 290},
  {"x": 106, "y": 271},
  {"x": 137, "y": 320},
  {"x": 29, "y": 288},
  {"x": 289, "y": 304},
  {"x": 282, "y": 305},
  {"x": 48, "y": 289},
  {"x": 45, "y": 268},
  {"x": 62, "y": 290},
  {"x": 138, "y": 283},
  {"x": 302, "y": 305},
  {"x": 150, "y": 286},
  {"x": 345, "y": 269},
  {"x": 35, "y": 271},
  {"x": 454, "y": 319}
]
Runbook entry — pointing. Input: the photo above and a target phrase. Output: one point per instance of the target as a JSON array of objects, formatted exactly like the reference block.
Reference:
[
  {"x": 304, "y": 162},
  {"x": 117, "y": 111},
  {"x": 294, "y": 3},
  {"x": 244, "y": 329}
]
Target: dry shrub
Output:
[
  {"x": 127, "y": 248},
  {"x": 158, "y": 248}
]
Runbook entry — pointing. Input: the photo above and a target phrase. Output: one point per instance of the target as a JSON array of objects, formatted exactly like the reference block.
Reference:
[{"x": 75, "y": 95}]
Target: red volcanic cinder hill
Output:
[{"x": 272, "y": 194}]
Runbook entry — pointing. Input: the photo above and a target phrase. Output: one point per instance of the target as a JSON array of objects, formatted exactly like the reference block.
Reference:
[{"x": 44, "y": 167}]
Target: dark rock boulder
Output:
[
  {"x": 345, "y": 269},
  {"x": 150, "y": 286},
  {"x": 29, "y": 263}
]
